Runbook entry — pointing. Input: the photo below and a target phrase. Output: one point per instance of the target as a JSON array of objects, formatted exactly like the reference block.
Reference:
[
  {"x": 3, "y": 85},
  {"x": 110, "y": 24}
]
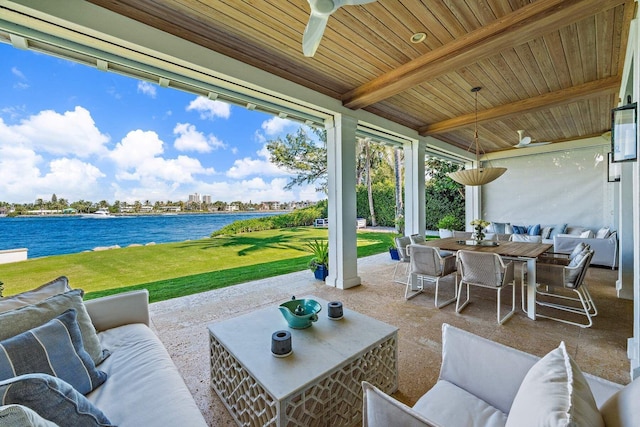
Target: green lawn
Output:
[{"x": 175, "y": 269}]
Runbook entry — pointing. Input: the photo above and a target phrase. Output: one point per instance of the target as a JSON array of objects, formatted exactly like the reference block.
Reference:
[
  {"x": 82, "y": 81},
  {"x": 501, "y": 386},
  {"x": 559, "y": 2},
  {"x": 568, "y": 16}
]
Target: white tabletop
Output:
[{"x": 317, "y": 350}]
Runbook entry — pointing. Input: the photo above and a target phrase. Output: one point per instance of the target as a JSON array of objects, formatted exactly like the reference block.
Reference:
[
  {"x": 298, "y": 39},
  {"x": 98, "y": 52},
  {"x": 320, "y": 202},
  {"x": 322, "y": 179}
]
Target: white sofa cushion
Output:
[
  {"x": 622, "y": 409},
  {"x": 603, "y": 233},
  {"x": 468, "y": 410},
  {"x": 144, "y": 387},
  {"x": 554, "y": 393},
  {"x": 382, "y": 410}
]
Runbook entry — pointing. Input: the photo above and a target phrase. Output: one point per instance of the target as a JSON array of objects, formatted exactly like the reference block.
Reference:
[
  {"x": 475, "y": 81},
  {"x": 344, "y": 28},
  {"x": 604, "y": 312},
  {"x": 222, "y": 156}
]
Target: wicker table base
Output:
[{"x": 319, "y": 384}]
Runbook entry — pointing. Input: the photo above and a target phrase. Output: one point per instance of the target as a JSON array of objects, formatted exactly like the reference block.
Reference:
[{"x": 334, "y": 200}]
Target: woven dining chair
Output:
[
  {"x": 486, "y": 270},
  {"x": 428, "y": 266},
  {"x": 401, "y": 244}
]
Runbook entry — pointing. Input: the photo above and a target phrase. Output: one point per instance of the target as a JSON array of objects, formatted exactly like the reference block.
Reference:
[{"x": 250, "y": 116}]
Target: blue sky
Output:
[{"x": 81, "y": 133}]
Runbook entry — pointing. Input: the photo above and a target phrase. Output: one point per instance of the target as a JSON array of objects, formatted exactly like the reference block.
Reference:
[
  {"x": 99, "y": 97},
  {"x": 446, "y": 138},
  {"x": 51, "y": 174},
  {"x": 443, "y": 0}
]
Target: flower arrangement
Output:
[{"x": 479, "y": 225}]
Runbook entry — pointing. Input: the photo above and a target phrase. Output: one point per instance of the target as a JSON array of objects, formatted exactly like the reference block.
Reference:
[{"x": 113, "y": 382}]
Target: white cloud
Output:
[
  {"x": 189, "y": 139},
  {"x": 247, "y": 166},
  {"x": 276, "y": 125},
  {"x": 23, "y": 172},
  {"x": 16, "y": 72},
  {"x": 73, "y": 132},
  {"x": 257, "y": 190},
  {"x": 137, "y": 158},
  {"x": 209, "y": 109},
  {"x": 147, "y": 88}
]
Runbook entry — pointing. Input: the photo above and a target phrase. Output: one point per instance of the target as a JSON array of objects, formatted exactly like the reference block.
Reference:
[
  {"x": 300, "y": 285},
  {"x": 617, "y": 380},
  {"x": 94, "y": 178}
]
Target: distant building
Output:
[
  {"x": 194, "y": 198},
  {"x": 206, "y": 199}
]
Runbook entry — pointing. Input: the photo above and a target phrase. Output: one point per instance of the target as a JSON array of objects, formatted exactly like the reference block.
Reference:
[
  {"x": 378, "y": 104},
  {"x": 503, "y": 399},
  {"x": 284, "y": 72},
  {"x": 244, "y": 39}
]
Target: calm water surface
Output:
[{"x": 45, "y": 236}]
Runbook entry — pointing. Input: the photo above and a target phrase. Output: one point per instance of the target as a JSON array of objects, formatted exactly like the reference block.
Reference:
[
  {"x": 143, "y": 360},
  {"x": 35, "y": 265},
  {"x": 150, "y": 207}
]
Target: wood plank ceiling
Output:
[{"x": 550, "y": 67}]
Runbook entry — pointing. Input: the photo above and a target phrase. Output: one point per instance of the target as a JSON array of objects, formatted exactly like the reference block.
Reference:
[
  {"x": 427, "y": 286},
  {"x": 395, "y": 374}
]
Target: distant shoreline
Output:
[{"x": 47, "y": 215}]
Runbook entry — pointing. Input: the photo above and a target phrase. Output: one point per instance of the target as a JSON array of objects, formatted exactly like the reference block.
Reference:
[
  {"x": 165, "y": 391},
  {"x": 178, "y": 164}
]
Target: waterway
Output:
[{"x": 57, "y": 235}]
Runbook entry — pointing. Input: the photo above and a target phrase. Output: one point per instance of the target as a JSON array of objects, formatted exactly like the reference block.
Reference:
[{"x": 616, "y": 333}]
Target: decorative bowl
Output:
[{"x": 300, "y": 313}]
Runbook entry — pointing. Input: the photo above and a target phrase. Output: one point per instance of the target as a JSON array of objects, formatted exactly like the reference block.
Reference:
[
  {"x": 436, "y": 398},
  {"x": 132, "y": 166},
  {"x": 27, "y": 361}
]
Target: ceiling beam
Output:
[
  {"x": 522, "y": 25},
  {"x": 530, "y": 105}
]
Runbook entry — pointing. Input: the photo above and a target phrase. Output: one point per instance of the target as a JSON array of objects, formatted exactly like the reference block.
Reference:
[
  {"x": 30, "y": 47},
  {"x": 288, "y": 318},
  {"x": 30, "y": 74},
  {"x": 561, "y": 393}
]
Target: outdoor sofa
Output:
[
  {"x": 134, "y": 383},
  {"x": 484, "y": 383},
  {"x": 564, "y": 238}
]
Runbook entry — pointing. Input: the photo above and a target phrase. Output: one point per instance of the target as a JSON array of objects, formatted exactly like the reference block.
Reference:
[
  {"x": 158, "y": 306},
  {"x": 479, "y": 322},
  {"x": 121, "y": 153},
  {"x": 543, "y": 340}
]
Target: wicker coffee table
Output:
[{"x": 319, "y": 384}]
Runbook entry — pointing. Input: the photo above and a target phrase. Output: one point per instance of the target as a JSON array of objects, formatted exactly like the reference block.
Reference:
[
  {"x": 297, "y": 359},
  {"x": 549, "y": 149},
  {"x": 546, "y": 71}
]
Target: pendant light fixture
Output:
[{"x": 479, "y": 175}]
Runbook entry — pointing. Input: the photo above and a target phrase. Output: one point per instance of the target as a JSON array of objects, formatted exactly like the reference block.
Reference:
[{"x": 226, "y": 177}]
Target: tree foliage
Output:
[
  {"x": 443, "y": 196},
  {"x": 298, "y": 153}
]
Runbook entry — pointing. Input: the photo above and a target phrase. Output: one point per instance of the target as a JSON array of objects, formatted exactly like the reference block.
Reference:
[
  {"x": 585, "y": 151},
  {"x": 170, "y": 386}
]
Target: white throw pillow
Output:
[
  {"x": 587, "y": 234},
  {"x": 381, "y": 410},
  {"x": 554, "y": 393},
  {"x": 603, "y": 233}
]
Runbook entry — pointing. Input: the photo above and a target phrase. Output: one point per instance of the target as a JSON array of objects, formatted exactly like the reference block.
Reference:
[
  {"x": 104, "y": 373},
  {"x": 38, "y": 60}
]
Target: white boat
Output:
[{"x": 99, "y": 214}]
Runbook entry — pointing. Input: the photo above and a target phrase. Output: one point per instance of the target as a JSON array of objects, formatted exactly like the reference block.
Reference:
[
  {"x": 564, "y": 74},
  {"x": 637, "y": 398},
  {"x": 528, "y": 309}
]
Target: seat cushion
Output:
[
  {"x": 449, "y": 405},
  {"x": 144, "y": 386},
  {"x": 554, "y": 393},
  {"x": 54, "y": 348},
  {"x": 382, "y": 410}
]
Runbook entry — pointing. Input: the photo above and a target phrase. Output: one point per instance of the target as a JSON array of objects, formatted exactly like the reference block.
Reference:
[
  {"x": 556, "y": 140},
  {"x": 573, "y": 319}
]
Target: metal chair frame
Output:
[{"x": 586, "y": 307}]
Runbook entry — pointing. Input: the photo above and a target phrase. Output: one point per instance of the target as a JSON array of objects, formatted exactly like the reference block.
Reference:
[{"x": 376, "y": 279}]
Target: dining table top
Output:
[{"x": 503, "y": 248}]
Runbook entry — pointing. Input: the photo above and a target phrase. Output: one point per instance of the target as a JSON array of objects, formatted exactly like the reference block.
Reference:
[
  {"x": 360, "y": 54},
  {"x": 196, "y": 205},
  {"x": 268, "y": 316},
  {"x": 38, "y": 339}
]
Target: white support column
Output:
[
  {"x": 414, "y": 156},
  {"x": 341, "y": 170}
]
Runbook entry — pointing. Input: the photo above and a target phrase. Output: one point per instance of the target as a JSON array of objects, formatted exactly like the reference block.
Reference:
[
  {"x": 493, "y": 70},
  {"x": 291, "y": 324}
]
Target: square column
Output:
[
  {"x": 414, "y": 212},
  {"x": 341, "y": 171}
]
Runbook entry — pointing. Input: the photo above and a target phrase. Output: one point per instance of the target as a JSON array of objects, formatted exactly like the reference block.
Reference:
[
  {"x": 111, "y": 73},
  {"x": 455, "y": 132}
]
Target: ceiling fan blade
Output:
[{"x": 313, "y": 33}]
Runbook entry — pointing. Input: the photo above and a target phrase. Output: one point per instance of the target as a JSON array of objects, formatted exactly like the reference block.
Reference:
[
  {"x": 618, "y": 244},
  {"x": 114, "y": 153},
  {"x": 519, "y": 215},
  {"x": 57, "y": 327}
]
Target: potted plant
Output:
[
  {"x": 319, "y": 263},
  {"x": 393, "y": 249},
  {"x": 447, "y": 224}
]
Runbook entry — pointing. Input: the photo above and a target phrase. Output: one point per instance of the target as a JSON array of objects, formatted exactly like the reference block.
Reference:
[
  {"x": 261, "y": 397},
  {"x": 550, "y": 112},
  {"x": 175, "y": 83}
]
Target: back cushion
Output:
[
  {"x": 54, "y": 287},
  {"x": 554, "y": 393}
]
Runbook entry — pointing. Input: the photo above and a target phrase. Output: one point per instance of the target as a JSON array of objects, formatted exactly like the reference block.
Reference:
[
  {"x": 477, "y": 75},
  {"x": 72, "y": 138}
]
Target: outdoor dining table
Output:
[{"x": 519, "y": 251}]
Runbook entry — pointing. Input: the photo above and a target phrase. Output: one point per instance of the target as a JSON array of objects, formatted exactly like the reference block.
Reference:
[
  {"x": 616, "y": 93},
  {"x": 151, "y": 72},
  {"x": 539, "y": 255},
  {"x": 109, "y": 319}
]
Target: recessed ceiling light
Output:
[{"x": 418, "y": 37}]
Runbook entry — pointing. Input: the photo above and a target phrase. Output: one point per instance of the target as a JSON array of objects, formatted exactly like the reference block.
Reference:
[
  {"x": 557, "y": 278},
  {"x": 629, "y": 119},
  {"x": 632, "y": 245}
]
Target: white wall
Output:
[{"x": 568, "y": 186}]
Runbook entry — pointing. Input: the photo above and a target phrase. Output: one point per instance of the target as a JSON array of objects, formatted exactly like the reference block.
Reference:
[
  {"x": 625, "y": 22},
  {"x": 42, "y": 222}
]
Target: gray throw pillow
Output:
[
  {"x": 54, "y": 348},
  {"x": 33, "y": 296},
  {"x": 21, "y": 416},
  {"x": 53, "y": 399},
  {"x": 15, "y": 322}
]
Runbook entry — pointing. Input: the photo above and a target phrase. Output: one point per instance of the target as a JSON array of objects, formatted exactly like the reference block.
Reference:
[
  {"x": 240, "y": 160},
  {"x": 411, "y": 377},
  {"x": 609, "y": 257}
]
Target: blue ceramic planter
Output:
[
  {"x": 321, "y": 272},
  {"x": 394, "y": 254}
]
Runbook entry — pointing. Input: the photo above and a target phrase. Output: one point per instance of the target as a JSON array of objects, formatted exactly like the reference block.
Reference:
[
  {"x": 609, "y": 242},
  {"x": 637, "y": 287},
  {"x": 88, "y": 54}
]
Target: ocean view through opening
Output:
[{"x": 67, "y": 234}]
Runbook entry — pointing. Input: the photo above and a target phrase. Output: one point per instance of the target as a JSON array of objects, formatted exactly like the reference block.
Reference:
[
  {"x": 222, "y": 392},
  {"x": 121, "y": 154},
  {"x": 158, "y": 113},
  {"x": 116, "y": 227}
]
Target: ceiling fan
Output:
[
  {"x": 525, "y": 141},
  {"x": 320, "y": 11}
]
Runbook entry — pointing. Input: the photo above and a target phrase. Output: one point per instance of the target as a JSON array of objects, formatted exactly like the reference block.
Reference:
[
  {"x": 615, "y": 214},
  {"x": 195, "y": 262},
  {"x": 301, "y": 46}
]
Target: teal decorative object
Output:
[{"x": 300, "y": 313}]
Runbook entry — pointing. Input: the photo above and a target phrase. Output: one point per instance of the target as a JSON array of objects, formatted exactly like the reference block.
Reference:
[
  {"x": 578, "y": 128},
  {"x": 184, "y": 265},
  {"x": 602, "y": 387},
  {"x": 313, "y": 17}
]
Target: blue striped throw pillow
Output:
[{"x": 54, "y": 348}]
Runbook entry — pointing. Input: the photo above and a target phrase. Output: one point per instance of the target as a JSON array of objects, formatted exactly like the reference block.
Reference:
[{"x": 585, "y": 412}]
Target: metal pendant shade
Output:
[{"x": 479, "y": 175}]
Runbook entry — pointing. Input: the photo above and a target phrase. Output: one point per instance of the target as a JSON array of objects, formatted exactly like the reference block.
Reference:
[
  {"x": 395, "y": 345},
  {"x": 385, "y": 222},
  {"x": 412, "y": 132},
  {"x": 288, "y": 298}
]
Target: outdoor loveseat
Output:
[
  {"x": 135, "y": 382},
  {"x": 483, "y": 383}
]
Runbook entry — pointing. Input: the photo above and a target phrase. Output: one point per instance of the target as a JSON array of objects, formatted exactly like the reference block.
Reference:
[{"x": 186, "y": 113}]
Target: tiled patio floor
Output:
[{"x": 182, "y": 325}]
